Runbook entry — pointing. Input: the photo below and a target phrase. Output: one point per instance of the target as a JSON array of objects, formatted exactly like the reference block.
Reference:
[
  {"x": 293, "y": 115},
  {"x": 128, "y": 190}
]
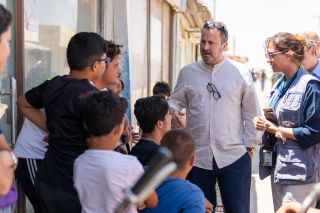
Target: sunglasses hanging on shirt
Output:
[{"x": 212, "y": 89}]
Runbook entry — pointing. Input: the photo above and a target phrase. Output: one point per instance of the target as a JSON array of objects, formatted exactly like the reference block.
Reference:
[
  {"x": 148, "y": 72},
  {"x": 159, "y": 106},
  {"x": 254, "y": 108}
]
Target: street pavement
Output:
[{"x": 261, "y": 195}]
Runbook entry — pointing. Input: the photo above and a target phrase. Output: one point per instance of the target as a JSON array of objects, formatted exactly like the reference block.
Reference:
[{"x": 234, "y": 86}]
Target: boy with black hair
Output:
[
  {"x": 60, "y": 99},
  {"x": 154, "y": 119},
  {"x": 162, "y": 88},
  {"x": 101, "y": 174},
  {"x": 176, "y": 194}
]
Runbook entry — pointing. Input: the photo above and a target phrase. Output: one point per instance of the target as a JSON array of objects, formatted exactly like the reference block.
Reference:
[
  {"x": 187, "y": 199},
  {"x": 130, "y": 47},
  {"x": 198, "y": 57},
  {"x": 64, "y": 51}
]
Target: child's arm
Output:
[
  {"x": 33, "y": 114},
  {"x": 3, "y": 143},
  {"x": 7, "y": 166}
]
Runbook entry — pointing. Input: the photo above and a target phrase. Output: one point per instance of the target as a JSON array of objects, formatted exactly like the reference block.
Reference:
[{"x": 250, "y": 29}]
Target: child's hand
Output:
[
  {"x": 141, "y": 206},
  {"x": 208, "y": 206}
]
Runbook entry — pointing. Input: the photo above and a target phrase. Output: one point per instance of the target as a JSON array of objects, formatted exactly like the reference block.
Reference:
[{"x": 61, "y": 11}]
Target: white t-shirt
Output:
[
  {"x": 30, "y": 142},
  {"x": 100, "y": 176}
]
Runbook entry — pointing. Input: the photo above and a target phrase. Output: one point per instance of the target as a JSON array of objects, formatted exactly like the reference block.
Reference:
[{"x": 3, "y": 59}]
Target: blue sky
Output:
[{"x": 250, "y": 22}]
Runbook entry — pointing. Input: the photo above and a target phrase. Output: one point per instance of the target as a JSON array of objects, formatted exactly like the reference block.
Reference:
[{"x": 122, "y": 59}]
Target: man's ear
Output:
[
  {"x": 192, "y": 159},
  {"x": 314, "y": 51},
  {"x": 225, "y": 46}
]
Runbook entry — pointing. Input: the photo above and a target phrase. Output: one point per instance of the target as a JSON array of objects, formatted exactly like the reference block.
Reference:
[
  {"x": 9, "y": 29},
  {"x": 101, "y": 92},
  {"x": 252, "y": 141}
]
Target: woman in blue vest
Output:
[{"x": 292, "y": 123}]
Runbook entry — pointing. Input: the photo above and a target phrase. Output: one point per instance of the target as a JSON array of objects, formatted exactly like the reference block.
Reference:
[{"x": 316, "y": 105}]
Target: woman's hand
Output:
[
  {"x": 259, "y": 123},
  {"x": 262, "y": 124}
]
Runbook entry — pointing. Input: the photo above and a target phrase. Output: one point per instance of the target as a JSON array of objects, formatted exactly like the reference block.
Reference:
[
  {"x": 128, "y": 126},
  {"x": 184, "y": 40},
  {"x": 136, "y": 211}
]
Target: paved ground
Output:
[{"x": 261, "y": 196}]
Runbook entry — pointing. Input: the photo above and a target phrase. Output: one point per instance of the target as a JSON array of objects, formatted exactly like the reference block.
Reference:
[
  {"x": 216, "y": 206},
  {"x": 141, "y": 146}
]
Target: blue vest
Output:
[{"x": 293, "y": 164}]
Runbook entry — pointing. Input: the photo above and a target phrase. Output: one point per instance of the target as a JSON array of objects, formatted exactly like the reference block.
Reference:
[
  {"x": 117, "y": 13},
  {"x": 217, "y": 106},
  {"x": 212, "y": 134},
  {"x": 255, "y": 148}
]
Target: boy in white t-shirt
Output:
[{"x": 101, "y": 174}]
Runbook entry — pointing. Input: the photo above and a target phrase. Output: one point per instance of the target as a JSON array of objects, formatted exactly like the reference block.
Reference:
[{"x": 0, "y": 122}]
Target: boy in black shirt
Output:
[
  {"x": 154, "y": 119},
  {"x": 60, "y": 99},
  {"x": 162, "y": 88}
]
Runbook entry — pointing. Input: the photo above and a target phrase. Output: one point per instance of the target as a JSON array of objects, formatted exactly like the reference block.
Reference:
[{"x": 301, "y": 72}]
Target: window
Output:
[
  {"x": 137, "y": 38},
  {"x": 160, "y": 40},
  {"x": 48, "y": 27}
]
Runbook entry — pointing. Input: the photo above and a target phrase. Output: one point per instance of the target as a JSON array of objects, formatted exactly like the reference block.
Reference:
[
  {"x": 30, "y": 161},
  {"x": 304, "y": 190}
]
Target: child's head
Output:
[
  {"x": 181, "y": 143},
  {"x": 152, "y": 112},
  {"x": 112, "y": 72},
  {"x": 5, "y": 35},
  {"x": 113, "y": 49},
  {"x": 102, "y": 112},
  {"x": 85, "y": 49},
  {"x": 162, "y": 88},
  {"x": 116, "y": 88}
]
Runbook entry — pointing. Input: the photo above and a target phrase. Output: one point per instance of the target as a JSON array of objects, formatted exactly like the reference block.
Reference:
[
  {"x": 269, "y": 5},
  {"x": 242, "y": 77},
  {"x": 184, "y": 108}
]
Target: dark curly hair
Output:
[
  {"x": 101, "y": 111},
  {"x": 161, "y": 88},
  {"x": 113, "y": 49},
  {"x": 85, "y": 48},
  {"x": 149, "y": 111}
]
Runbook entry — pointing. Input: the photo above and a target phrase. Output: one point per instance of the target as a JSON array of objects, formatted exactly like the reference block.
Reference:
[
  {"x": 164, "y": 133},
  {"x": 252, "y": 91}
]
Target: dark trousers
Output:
[
  {"x": 234, "y": 182},
  {"x": 55, "y": 199},
  {"x": 318, "y": 205},
  {"x": 25, "y": 174}
]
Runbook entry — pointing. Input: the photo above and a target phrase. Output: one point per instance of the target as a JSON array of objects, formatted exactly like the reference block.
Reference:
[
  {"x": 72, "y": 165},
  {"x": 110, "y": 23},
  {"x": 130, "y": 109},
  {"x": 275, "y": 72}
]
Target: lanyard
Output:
[{"x": 282, "y": 88}]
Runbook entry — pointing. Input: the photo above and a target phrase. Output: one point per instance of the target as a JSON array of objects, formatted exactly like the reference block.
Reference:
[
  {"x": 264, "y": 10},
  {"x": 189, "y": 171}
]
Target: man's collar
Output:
[
  {"x": 216, "y": 65},
  {"x": 316, "y": 70}
]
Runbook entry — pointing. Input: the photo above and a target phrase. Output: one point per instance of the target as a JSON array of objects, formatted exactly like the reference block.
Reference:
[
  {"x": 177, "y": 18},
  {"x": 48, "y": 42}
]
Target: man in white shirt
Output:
[
  {"x": 220, "y": 101},
  {"x": 315, "y": 37},
  {"x": 311, "y": 56}
]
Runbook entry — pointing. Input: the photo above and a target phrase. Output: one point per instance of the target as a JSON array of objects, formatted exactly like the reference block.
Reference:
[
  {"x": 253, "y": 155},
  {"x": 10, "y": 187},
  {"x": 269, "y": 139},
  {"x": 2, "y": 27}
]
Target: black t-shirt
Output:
[
  {"x": 144, "y": 151},
  {"x": 60, "y": 99}
]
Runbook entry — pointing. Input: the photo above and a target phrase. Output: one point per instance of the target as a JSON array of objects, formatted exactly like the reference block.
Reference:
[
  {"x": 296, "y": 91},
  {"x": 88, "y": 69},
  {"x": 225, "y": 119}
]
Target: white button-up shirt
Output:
[{"x": 222, "y": 128}]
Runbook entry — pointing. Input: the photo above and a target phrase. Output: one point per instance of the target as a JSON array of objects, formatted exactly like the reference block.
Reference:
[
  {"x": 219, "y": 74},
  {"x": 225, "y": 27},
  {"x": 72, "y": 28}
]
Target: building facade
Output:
[{"x": 158, "y": 36}]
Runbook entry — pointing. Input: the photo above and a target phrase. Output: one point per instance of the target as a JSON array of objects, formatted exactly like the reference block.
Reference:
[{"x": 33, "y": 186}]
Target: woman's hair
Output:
[{"x": 292, "y": 45}]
